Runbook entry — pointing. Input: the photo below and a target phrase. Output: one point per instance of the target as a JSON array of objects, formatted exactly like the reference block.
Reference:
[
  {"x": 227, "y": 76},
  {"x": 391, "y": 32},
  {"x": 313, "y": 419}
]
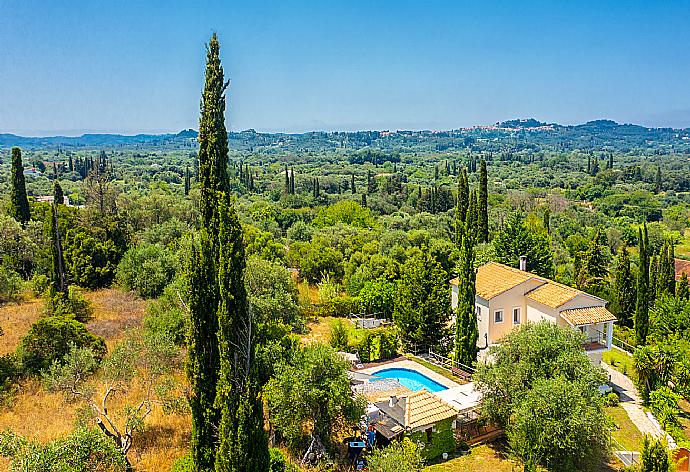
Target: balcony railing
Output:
[{"x": 596, "y": 342}]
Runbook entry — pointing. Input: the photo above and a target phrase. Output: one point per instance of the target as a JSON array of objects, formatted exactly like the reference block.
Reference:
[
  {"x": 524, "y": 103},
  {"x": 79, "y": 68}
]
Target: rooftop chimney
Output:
[
  {"x": 393, "y": 400},
  {"x": 523, "y": 263}
]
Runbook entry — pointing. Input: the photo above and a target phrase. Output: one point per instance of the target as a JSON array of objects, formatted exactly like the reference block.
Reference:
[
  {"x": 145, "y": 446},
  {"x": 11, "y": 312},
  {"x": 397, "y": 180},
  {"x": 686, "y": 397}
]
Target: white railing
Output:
[{"x": 448, "y": 363}]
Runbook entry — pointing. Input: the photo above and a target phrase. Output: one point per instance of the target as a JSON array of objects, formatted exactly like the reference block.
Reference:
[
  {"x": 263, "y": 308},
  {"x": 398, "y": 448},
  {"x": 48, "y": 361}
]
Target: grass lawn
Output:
[
  {"x": 484, "y": 458},
  {"x": 625, "y": 432},
  {"x": 621, "y": 362},
  {"x": 319, "y": 330}
]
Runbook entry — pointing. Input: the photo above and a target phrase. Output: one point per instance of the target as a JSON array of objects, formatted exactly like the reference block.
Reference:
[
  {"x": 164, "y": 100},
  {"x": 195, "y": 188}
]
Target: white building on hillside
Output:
[{"x": 507, "y": 297}]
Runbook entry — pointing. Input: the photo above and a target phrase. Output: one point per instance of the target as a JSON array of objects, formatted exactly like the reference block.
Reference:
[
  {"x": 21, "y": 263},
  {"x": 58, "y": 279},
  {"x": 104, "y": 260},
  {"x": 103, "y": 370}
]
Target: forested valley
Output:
[{"x": 178, "y": 302}]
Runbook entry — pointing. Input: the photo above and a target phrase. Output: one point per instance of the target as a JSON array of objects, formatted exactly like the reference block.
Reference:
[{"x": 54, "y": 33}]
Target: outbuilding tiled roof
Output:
[
  {"x": 589, "y": 315},
  {"x": 423, "y": 409}
]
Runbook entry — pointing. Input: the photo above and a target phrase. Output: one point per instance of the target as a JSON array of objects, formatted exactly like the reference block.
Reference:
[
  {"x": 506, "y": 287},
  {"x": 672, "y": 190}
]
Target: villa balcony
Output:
[{"x": 596, "y": 343}]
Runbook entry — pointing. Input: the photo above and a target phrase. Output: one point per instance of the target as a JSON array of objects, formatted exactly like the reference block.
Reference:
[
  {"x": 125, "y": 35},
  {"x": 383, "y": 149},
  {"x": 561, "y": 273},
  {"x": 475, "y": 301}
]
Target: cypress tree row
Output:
[
  {"x": 19, "y": 203},
  {"x": 483, "y": 218},
  {"x": 641, "y": 320}
]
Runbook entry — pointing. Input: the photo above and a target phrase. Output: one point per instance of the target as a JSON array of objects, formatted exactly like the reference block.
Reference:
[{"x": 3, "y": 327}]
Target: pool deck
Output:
[{"x": 411, "y": 365}]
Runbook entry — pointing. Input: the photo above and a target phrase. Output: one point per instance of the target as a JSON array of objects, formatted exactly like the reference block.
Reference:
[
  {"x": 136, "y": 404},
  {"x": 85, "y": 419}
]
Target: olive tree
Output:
[{"x": 139, "y": 368}]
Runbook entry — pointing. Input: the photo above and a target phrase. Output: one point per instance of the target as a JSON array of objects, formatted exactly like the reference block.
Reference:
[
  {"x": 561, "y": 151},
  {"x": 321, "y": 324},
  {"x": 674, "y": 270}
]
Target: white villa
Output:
[{"x": 507, "y": 297}]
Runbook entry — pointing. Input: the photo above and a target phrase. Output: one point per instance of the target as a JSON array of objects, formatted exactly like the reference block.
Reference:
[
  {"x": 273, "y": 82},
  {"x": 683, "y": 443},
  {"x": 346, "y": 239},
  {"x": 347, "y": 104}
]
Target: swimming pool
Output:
[{"x": 410, "y": 379}]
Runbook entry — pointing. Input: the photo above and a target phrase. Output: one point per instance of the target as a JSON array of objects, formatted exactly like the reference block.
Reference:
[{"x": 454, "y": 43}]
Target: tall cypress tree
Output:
[
  {"x": 463, "y": 194},
  {"x": 352, "y": 183},
  {"x": 658, "y": 184},
  {"x": 641, "y": 320},
  {"x": 466, "y": 329},
  {"x": 287, "y": 181},
  {"x": 203, "y": 357},
  {"x": 58, "y": 275},
  {"x": 58, "y": 194},
  {"x": 243, "y": 444},
  {"x": 667, "y": 273},
  {"x": 292, "y": 181},
  {"x": 213, "y": 138},
  {"x": 483, "y": 217},
  {"x": 187, "y": 181},
  {"x": 471, "y": 219},
  {"x": 624, "y": 288},
  {"x": 19, "y": 203}
]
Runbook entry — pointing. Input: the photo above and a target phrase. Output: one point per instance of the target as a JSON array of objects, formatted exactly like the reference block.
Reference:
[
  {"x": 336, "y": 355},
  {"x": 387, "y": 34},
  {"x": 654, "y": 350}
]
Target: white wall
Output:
[{"x": 482, "y": 320}]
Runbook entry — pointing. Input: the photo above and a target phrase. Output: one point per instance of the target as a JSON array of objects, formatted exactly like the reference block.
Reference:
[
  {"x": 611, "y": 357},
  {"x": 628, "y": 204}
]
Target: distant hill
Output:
[{"x": 590, "y": 135}]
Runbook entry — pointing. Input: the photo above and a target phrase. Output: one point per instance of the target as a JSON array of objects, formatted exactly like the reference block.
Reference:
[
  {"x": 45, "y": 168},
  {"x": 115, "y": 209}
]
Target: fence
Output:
[
  {"x": 628, "y": 458},
  {"x": 620, "y": 344},
  {"x": 448, "y": 363}
]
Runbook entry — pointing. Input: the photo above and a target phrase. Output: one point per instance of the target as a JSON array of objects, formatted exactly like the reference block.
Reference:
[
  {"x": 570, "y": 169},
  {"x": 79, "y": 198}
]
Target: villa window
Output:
[
  {"x": 498, "y": 316},
  {"x": 429, "y": 434},
  {"x": 478, "y": 312},
  {"x": 516, "y": 315}
]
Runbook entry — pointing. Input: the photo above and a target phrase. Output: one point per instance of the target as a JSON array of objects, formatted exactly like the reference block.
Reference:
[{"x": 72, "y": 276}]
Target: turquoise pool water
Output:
[{"x": 410, "y": 379}]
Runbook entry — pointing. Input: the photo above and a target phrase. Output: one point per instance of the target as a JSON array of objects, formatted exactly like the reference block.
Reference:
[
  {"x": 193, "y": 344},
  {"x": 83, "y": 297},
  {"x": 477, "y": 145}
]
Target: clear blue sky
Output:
[{"x": 137, "y": 66}]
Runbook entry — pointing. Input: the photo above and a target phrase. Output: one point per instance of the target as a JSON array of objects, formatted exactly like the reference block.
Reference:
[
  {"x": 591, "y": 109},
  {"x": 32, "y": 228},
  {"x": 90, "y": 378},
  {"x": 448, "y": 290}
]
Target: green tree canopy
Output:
[
  {"x": 422, "y": 304},
  {"x": 517, "y": 240},
  {"x": 347, "y": 212},
  {"x": 311, "y": 395}
]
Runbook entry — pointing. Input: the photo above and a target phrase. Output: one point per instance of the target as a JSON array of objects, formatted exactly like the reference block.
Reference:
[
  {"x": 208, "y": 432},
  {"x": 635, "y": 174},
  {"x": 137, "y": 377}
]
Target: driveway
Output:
[{"x": 631, "y": 402}]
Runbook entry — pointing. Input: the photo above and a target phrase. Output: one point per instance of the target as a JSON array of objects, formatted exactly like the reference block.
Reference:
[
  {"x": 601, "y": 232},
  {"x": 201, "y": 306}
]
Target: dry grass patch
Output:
[
  {"x": 16, "y": 320},
  {"x": 115, "y": 312},
  {"x": 37, "y": 414}
]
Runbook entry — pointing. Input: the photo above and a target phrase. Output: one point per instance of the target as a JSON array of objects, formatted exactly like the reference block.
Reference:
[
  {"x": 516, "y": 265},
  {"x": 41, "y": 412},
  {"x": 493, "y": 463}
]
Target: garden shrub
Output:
[
  {"x": 146, "y": 269},
  {"x": 83, "y": 450},
  {"x": 611, "y": 399},
  {"x": 50, "y": 338},
  {"x": 280, "y": 463},
  {"x": 10, "y": 285},
  {"x": 72, "y": 305},
  {"x": 166, "y": 316},
  {"x": 40, "y": 283},
  {"x": 664, "y": 404},
  {"x": 183, "y": 464},
  {"x": 338, "y": 339}
]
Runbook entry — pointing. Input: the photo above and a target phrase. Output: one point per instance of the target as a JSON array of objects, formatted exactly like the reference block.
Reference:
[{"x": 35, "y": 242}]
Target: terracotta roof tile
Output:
[
  {"x": 681, "y": 266},
  {"x": 422, "y": 409},
  {"x": 590, "y": 315},
  {"x": 493, "y": 279},
  {"x": 553, "y": 294}
]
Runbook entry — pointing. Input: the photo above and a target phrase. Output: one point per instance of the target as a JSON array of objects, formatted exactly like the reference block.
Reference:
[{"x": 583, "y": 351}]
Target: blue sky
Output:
[{"x": 124, "y": 66}]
